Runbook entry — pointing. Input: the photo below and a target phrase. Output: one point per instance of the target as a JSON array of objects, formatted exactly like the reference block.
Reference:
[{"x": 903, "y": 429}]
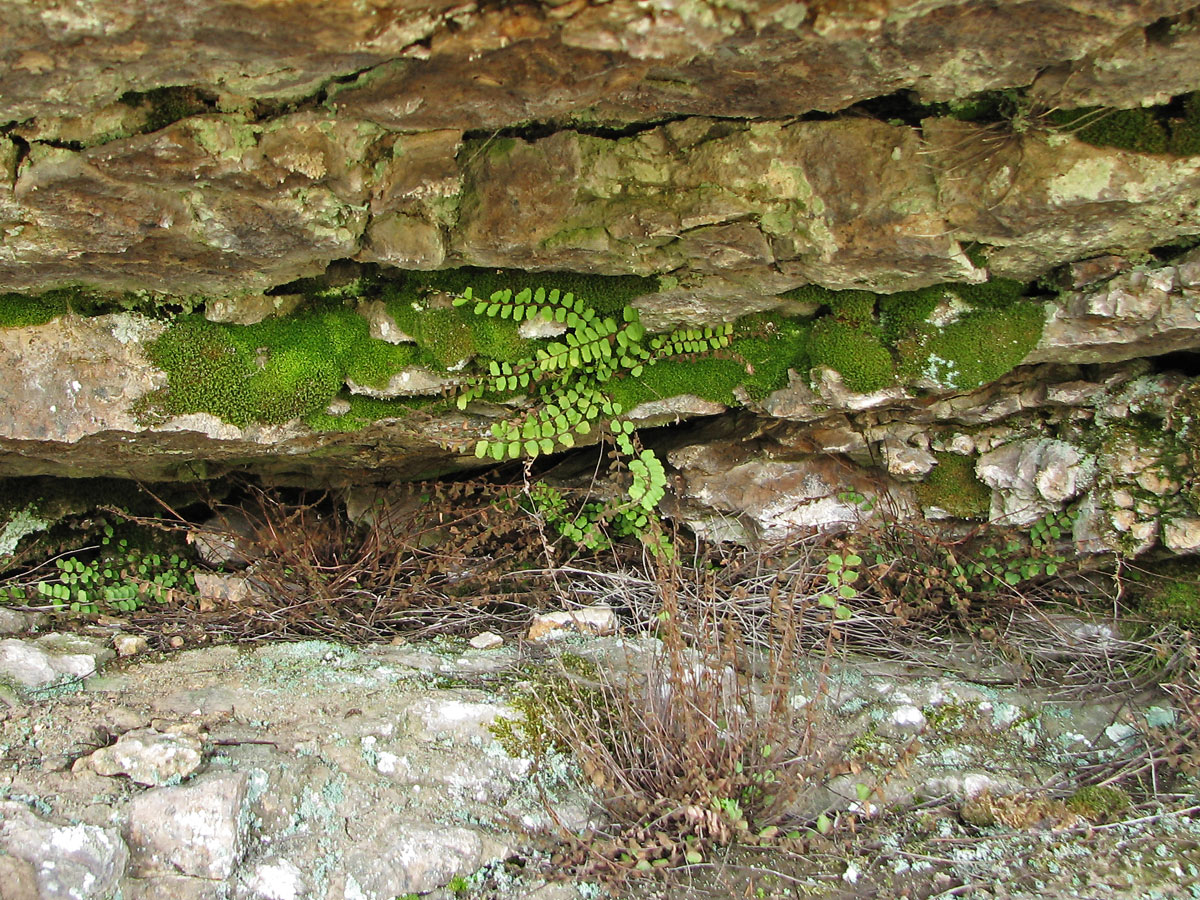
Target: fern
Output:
[
  {"x": 569, "y": 374},
  {"x": 568, "y": 378}
]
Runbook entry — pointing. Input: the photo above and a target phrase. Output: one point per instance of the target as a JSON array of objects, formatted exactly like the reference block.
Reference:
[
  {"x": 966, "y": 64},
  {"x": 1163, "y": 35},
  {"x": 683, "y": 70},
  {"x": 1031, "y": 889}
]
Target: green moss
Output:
[
  {"x": 1185, "y": 132},
  {"x": 1172, "y": 593},
  {"x": 903, "y": 313},
  {"x": 23, "y": 310},
  {"x": 276, "y": 370},
  {"x": 770, "y": 345},
  {"x": 977, "y": 253},
  {"x": 856, "y": 354},
  {"x": 1099, "y": 802},
  {"x": 20, "y": 311},
  {"x": 1138, "y": 130},
  {"x": 447, "y": 336},
  {"x": 499, "y": 339},
  {"x": 855, "y": 308},
  {"x": 953, "y": 486},
  {"x": 996, "y": 293},
  {"x": 812, "y": 294},
  {"x": 979, "y": 347},
  {"x": 712, "y": 379},
  {"x": 365, "y": 411}
]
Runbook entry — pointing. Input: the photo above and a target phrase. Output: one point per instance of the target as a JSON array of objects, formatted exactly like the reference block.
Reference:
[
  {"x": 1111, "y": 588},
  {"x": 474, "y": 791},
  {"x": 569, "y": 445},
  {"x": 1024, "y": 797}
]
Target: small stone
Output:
[
  {"x": 487, "y": 640},
  {"x": 416, "y": 857},
  {"x": 14, "y": 622},
  {"x": 1182, "y": 535},
  {"x": 197, "y": 829},
  {"x": 1119, "y": 732},
  {"x": 224, "y": 540},
  {"x": 228, "y": 589},
  {"x": 908, "y": 718},
  {"x": 68, "y": 862},
  {"x": 1122, "y": 499},
  {"x": 275, "y": 879},
  {"x": 1157, "y": 483},
  {"x": 130, "y": 644},
  {"x": 905, "y": 462},
  {"x": 176, "y": 642},
  {"x": 149, "y": 758},
  {"x": 594, "y": 620},
  {"x": 411, "y": 381},
  {"x": 381, "y": 325}
]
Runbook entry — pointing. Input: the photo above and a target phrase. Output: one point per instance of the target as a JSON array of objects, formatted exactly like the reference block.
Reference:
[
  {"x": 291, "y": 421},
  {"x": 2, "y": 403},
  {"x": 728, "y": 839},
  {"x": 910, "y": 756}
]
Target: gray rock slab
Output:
[
  {"x": 395, "y": 857},
  {"x": 196, "y": 829},
  {"x": 50, "y": 659},
  {"x": 67, "y": 862}
]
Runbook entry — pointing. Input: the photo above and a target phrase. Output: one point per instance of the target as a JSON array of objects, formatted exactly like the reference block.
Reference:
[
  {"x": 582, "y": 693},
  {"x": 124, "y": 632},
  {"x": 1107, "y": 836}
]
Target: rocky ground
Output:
[{"x": 318, "y": 770}]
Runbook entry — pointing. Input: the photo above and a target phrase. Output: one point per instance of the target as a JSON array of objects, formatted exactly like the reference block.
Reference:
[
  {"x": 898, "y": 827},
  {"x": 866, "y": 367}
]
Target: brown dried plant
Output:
[{"x": 695, "y": 740}]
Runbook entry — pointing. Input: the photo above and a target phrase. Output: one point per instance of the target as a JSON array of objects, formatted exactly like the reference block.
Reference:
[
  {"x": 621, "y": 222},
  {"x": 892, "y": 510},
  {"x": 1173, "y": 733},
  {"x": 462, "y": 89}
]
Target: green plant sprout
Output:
[{"x": 841, "y": 575}]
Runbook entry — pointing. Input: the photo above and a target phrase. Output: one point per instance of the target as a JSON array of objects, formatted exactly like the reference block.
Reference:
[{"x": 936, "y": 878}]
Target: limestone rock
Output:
[
  {"x": 1031, "y": 478},
  {"x": 275, "y": 879},
  {"x": 407, "y": 242},
  {"x": 415, "y": 857},
  {"x": 1033, "y": 188},
  {"x": 414, "y": 381},
  {"x": 225, "y": 540},
  {"x": 594, "y": 620},
  {"x": 486, "y": 640},
  {"x": 381, "y": 325},
  {"x": 906, "y": 462},
  {"x": 197, "y": 829},
  {"x": 1182, "y": 535},
  {"x": 67, "y": 862},
  {"x": 1140, "y": 313},
  {"x": 251, "y": 308},
  {"x": 673, "y": 409},
  {"x": 1141, "y": 66},
  {"x": 779, "y": 497},
  {"x": 14, "y": 621},
  {"x": 78, "y": 377},
  {"x": 149, "y": 757},
  {"x": 130, "y": 644},
  {"x": 49, "y": 659},
  {"x": 232, "y": 589},
  {"x": 177, "y": 887}
]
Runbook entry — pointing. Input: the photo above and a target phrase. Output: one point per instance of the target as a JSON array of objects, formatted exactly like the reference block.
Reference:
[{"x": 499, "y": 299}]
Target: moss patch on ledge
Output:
[
  {"x": 277, "y": 370},
  {"x": 1173, "y": 128},
  {"x": 23, "y": 310},
  {"x": 870, "y": 340},
  {"x": 954, "y": 487},
  {"x": 293, "y": 367}
]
